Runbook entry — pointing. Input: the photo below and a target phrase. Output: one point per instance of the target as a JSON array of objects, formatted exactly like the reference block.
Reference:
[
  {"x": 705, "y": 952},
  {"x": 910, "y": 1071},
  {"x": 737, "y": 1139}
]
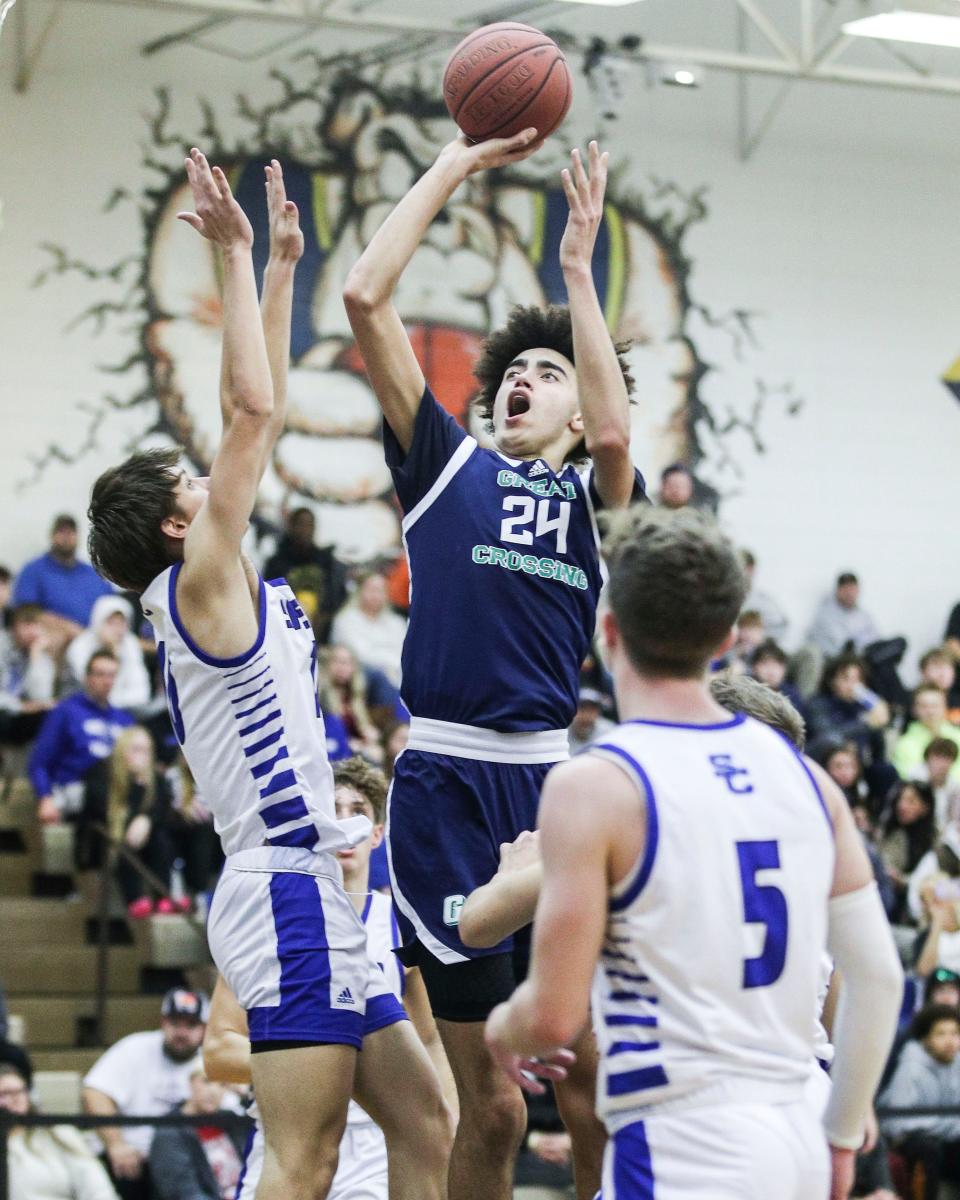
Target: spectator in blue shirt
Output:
[
  {"x": 75, "y": 735},
  {"x": 64, "y": 587}
]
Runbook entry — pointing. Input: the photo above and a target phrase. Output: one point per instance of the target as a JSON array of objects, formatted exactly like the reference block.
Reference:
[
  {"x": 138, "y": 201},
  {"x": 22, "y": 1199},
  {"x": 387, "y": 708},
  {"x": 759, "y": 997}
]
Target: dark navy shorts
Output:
[{"x": 447, "y": 817}]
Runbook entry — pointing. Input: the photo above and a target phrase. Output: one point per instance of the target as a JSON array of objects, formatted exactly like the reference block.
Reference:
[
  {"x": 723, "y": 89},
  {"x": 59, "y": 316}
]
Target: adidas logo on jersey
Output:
[
  {"x": 345, "y": 997},
  {"x": 538, "y": 468}
]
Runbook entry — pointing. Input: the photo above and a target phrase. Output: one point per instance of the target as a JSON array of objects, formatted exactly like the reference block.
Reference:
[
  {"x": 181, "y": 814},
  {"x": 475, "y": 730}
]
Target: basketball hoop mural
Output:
[{"x": 351, "y": 145}]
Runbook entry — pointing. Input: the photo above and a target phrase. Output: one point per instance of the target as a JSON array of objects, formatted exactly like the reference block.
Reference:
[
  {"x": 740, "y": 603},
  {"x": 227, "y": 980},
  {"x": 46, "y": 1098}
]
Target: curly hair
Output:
[
  {"x": 366, "y": 780},
  {"x": 526, "y": 327}
]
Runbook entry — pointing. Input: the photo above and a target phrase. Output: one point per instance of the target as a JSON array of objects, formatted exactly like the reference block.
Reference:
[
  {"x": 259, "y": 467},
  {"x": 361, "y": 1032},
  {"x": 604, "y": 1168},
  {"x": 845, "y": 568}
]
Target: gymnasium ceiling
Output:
[{"x": 785, "y": 39}]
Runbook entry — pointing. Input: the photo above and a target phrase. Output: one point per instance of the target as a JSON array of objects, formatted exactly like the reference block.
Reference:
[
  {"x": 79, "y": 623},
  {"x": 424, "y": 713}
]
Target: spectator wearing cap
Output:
[
  {"x": 145, "y": 1074},
  {"x": 75, "y": 735},
  {"x": 840, "y": 623},
  {"x": 929, "y": 722},
  {"x": 199, "y": 1162},
  {"x": 63, "y": 586},
  {"x": 588, "y": 722}
]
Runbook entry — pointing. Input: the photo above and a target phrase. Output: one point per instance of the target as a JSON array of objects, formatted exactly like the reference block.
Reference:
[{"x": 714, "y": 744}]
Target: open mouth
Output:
[{"x": 518, "y": 403}]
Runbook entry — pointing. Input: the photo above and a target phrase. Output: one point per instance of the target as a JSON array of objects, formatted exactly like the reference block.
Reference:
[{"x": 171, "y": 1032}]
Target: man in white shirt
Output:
[{"x": 145, "y": 1074}]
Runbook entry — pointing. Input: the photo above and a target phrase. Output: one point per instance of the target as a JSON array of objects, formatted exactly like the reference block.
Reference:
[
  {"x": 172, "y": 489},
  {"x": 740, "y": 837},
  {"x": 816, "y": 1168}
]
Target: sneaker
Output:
[
  {"x": 137, "y": 910},
  {"x": 165, "y": 906}
]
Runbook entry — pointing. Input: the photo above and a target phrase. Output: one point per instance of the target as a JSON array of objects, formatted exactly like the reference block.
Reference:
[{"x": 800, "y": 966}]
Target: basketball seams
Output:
[
  {"x": 543, "y": 83},
  {"x": 503, "y": 86},
  {"x": 500, "y": 62}
]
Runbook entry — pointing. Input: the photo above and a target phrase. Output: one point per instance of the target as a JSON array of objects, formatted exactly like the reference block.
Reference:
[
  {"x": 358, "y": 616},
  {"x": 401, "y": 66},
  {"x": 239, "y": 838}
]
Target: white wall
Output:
[{"x": 840, "y": 234}]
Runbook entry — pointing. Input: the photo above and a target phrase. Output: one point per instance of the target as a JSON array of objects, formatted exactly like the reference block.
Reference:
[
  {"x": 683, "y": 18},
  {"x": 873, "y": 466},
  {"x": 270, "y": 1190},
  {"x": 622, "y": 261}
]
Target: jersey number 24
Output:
[{"x": 528, "y": 510}]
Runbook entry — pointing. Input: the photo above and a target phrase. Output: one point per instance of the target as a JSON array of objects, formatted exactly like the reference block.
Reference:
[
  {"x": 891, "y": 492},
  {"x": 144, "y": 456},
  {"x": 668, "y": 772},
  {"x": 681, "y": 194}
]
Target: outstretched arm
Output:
[
  {"x": 211, "y": 550},
  {"x": 276, "y": 302},
  {"x": 391, "y": 364},
  {"x": 604, "y": 403}
]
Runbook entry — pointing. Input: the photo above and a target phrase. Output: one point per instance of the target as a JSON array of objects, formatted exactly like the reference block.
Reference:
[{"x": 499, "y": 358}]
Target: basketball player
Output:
[
  {"x": 508, "y": 902},
  {"x": 238, "y": 661},
  {"x": 505, "y": 575},
  {"x": 404, "y": 1100},
  {"x": 701, "y": 861}
]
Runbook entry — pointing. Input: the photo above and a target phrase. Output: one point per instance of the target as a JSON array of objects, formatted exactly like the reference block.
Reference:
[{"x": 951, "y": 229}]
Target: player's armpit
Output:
[{"x": 391, "y": 365}]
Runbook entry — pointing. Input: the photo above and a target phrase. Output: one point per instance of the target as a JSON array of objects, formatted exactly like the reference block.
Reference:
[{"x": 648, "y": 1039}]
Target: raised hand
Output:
[
  {"x": 495, "y": 152},
  {"x": 286, "y": 237},
  {"x": 219, "y": 218},
  {"x": 584, "y": 192}
]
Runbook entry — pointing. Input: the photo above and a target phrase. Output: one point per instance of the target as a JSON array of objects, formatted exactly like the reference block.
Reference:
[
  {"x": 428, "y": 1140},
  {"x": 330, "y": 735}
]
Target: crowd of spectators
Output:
[{"x": 82, "y": 712}]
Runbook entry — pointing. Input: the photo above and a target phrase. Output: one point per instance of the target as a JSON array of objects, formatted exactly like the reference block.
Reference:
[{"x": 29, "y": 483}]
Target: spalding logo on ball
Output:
[{"x": 505, "y": 78}]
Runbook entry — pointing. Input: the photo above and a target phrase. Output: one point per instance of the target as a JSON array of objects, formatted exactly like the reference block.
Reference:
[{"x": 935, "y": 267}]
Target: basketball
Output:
[{"x": 505, "y": 78}]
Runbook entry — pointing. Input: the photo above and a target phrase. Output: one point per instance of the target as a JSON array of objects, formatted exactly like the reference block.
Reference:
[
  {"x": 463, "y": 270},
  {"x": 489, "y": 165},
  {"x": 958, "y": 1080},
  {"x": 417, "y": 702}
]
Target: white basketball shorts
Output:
[
  {"x": 291, "y": 946},
  {"x": 732, "y": 1152}
]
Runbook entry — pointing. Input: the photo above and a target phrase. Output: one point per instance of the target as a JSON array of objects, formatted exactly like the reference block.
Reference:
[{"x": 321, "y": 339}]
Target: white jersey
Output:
[
  {"x": 710, "y": 965},
  {"x": 250, "y": 727},
  {"x": 383, "y": 934}
]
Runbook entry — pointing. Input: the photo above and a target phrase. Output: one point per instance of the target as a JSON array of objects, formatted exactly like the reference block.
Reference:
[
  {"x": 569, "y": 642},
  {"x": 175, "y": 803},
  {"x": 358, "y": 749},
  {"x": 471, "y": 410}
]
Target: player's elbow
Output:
[
  {"x": 360, "y": 297},
  {"x": 609, "y": 443},
  {"x": 474, "y": 931},
  {"x": 253, "y": 404}
]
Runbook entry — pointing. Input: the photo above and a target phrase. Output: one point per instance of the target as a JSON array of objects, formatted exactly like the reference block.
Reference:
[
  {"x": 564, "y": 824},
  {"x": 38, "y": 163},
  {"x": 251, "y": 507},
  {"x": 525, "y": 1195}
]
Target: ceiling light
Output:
[
  {"x": 607, "y": 3},
  {"x": 930, "y": 24}
]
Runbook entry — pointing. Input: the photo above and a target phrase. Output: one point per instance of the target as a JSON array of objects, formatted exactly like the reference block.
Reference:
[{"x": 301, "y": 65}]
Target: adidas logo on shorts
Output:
[{"x": 345, "y": 997}]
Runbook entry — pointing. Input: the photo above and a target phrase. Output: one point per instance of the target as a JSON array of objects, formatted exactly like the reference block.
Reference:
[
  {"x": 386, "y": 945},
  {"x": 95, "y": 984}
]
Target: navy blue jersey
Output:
[{"x": 505, "y": 575}]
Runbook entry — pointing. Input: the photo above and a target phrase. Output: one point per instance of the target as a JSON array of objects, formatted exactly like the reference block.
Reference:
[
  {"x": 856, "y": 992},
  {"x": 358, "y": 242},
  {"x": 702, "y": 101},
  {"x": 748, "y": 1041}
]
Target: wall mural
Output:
[{"x": 351, "y": 144}]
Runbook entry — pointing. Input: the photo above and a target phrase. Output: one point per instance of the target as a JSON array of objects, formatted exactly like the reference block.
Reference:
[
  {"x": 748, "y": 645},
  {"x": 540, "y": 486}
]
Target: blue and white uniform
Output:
[
  {"x": 362, "y": 1170},
  {"x": 281, "y": 930},
  {"x": 708, "y": 980},
  {"x": 505, "y": 575}
]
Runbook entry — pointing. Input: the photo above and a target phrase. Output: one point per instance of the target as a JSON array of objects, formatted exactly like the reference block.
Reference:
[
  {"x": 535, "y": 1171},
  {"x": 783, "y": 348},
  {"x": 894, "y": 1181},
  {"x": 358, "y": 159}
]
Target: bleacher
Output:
[{"x": 49, "y": 953}]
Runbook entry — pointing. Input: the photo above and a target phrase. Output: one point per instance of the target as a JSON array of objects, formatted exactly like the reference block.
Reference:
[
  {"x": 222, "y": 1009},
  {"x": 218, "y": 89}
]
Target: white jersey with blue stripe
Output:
[
  {"x": 250, "y": 727},
  {"x": 709, "y": 972}
]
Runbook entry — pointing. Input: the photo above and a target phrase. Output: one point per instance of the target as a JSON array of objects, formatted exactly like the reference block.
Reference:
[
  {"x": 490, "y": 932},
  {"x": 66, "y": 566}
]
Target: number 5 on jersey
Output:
[
  {"x": 763, "y": 904},
  {"x": 512, "y": 529}
]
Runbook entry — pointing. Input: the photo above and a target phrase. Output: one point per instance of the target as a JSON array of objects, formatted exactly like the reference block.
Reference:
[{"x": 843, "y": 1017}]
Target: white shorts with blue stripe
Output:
[
  {"x": 286, "y": 938},
  {"x": 736, "y": 1151}
]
